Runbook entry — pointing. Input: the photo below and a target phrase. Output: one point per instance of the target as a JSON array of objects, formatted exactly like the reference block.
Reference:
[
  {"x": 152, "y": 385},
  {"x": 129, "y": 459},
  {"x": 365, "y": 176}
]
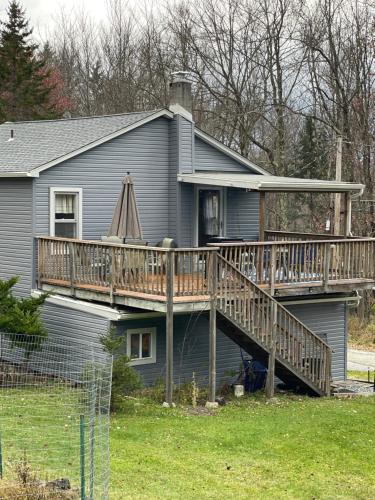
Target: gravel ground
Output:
[{"x": 354, "y": 387}]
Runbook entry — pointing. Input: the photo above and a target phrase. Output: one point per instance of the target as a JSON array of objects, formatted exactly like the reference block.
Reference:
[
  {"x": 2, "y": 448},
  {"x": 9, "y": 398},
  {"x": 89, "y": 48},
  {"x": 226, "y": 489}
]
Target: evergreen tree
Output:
[
  {"x": 312, "y": 162},
  {"x": 24, "y": 89},
  {"x": 20, "y": 318},
  {"x": 312, "y": 153}
]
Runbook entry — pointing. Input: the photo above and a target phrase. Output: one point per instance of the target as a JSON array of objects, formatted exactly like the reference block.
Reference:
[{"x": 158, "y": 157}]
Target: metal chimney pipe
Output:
[{"x": 180, "y": 91}]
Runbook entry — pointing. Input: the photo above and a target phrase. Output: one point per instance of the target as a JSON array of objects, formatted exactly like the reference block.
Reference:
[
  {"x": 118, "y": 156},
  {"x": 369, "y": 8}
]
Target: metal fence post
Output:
[{"x": 82, "y": 455}]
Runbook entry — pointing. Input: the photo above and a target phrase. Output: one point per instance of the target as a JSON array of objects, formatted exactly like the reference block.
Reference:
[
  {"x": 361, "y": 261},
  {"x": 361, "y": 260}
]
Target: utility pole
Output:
[{"x": 337, "y": 202}]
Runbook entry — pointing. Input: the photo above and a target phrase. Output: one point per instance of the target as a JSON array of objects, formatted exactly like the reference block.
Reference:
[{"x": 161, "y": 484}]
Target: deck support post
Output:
[
  {"x": 348, "y": 214},
  {"x": 270, "y": 382},
  {"x": 170, "y": 258},
  {"x": 212, "y": 342},
  {"x": 262, "y": 215}
]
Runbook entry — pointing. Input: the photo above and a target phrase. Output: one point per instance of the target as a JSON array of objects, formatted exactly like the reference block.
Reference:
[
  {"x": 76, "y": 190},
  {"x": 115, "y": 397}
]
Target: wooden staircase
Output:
[{"x": 262, "y": 327}]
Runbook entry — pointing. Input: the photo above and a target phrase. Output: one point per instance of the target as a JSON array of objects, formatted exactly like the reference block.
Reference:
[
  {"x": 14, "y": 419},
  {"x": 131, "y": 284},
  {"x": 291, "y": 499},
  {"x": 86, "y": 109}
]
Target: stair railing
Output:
[{"x": 256, "y": 312}]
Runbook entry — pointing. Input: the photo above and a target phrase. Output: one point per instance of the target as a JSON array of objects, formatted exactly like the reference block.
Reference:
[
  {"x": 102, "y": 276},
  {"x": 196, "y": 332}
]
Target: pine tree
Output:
[
  {"x": 20, "y": 318},
  {"x": 312, "y": 153},
  {"x": 24, "y": 90}
]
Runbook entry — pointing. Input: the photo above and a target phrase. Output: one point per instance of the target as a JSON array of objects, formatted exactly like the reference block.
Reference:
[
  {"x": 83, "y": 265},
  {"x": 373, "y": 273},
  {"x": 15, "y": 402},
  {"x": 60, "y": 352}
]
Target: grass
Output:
[
  {"x": 290, "y": 447},
  {"x": 357, "y": 375},
  {"x": 41, "y": 427}
]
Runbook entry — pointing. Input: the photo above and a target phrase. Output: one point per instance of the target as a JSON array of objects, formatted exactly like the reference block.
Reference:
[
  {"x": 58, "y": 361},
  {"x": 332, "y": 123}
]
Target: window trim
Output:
[
  {"x": 65, "y": 190},
  {"x": 142, "y": 361}
]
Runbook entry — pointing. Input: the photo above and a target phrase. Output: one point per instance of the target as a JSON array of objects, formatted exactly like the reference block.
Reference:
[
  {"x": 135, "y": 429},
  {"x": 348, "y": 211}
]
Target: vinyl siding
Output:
[
  {"x": 73, "y": 341},
  {"x": 75, "y": 327},
  {"x": 206, "y": 157},
  {"x": 144, "y": 152},
  {"x": 242, "y": 214},
  {"x": 186, "y": 148},
  {"x": 329, "y": 321},
  {"x": 181, "y": 160},
  {"x": 187, "y": 215},
  {"x": 191, "y": 341},
  {"x": 173, "y": 184},
  {"x": 16, "y": 242}
]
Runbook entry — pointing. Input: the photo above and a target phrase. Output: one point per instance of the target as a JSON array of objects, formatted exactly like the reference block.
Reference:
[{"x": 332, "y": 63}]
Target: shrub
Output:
[
  {"x": 20, "y": 318},
  {"x": 125, "y": 379},
  {"x": 361, "y": 333}
]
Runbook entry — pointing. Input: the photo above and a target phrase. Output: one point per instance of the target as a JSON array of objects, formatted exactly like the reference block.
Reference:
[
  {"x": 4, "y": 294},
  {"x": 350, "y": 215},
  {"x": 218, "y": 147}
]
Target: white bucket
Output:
[{"x": 239, "y": 390}]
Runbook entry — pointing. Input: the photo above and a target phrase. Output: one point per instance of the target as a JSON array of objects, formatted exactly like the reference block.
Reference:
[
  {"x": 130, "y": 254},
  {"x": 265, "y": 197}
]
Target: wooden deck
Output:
[
  {"x": 129, "y": 298},
  {"x": 138, "y": 276}
]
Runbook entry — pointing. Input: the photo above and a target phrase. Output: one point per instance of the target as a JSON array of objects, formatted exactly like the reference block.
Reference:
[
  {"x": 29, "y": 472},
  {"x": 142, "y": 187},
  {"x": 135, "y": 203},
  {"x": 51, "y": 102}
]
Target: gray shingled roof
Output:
[{"x": 36, "y": 143}]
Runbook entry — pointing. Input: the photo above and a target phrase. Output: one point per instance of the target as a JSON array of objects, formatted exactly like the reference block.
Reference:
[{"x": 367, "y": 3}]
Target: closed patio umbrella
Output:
[{"x": 125, "y": 220}]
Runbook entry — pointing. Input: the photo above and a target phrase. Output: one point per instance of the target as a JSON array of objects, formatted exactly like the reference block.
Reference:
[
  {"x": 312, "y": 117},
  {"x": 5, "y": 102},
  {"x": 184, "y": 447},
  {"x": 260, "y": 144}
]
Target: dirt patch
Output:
[
  {"x": 13, "y": 491},
  {"x": 200, "y": 411},
  {"x": 361, "y": 347}
]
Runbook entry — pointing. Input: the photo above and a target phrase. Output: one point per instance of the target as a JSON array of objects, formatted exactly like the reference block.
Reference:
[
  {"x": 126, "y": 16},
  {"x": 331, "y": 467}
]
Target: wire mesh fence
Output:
[{"x": 54, "y": 419}]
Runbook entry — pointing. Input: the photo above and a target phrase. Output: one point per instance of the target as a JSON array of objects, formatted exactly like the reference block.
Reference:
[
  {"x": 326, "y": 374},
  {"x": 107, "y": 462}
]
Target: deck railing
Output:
[
  {"x": 116, "y": 268},
  {"x": 291, "y": 262},
  {"x": 295, "y": 236},
  {"x": 273, "y": 326}
]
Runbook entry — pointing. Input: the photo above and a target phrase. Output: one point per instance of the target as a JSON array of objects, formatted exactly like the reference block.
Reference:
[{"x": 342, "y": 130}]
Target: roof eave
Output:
[
  {"x": 17, "y": 174},
  {"x": 274, "y": 186},
  {"x": 314, "y": 188}
]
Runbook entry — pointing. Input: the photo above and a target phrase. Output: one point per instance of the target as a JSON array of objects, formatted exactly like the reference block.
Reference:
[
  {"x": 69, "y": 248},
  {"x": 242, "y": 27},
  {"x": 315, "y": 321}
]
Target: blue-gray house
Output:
[{"x": 230, "y": 284}]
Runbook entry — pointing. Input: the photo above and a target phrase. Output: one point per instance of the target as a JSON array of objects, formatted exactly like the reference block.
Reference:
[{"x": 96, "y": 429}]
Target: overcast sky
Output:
[{"x": 43, "y": 12}]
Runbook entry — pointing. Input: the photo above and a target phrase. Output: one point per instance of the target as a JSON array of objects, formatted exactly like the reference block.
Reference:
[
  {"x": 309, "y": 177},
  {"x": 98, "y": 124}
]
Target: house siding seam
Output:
[
  {"x": 173, "y": 201},
  {"x": 191, "y": 343},
  {"x": 16, "y": 242},
  {"x": 186, "y": 145},
  {"x": 181, "y": 160},
  {"x": 208, "y": 158},
  {"x": 144, "y": 152},
  {"x": 327, "y": 319},
  {"x": 186, "y": 219}
]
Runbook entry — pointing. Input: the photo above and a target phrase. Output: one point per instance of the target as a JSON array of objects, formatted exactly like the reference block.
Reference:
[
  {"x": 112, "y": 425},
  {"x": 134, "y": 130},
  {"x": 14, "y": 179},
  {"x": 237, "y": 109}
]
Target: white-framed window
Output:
[
  {"x": 66, "y": 212},
  {"x": 141, "y": 345}
]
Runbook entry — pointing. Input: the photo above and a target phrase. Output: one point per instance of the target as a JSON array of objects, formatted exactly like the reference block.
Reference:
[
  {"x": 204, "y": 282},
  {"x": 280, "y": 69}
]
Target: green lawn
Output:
[
  {"x": 357, "y": 375},
  {"x": 290, "y": 448}
]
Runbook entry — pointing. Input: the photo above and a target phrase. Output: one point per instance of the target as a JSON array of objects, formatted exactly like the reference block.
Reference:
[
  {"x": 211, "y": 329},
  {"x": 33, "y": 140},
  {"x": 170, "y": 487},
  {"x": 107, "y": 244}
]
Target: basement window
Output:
[
  {"x": 66, "y": 212},
  {"x": 141, "y": 345}
]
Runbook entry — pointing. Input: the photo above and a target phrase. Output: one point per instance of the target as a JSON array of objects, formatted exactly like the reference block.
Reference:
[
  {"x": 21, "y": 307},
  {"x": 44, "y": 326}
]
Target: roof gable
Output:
[
  {"x": 39, "y": 145},
  {"x": 241, "y": 160}
]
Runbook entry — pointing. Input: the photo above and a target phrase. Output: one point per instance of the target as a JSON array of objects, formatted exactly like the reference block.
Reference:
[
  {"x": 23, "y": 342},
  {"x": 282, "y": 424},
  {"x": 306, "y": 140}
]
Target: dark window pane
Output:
[
  {"x": 146, "y": 345},
  {"x": 65, "y": 230},
  {"x": 64, "y": 216},
  {"x": 134, "y": 346}
]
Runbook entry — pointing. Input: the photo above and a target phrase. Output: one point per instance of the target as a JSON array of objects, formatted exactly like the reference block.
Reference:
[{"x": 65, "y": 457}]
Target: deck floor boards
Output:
[{"x": 179, "y": 298}]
